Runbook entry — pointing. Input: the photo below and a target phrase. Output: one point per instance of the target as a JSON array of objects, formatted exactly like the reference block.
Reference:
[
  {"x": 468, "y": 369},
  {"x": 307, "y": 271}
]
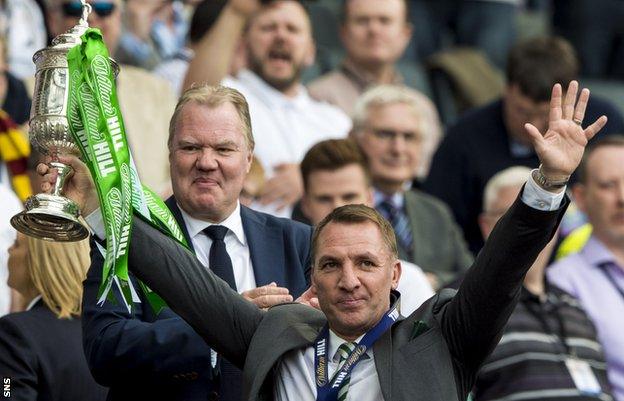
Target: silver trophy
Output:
[{"x": 52, "y": 216}]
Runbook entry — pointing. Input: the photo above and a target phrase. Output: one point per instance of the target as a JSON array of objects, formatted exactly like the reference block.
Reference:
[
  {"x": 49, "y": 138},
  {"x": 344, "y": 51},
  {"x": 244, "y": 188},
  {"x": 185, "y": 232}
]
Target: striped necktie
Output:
[
  {"x": 343, "y": 352},
  {"x": 400, "y": 223}
]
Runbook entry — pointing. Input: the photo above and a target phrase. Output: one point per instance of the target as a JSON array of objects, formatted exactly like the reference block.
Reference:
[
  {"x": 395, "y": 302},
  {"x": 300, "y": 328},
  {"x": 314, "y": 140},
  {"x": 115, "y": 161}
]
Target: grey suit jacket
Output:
[
  {"x": 439, "y": 246},
  {"x": 434, "y": 354}
]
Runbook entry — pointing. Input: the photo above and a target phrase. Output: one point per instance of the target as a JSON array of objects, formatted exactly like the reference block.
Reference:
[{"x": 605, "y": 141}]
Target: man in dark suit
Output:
[
  {"x": 434, "y": 354},
  {"x": 159, "y": 357},
  {"x": 388, "y": 124}
]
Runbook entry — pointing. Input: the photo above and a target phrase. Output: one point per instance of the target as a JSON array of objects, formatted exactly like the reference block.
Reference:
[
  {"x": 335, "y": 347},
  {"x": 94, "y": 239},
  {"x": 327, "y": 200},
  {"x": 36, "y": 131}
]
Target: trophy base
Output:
[{"x": 51, "y": 218}]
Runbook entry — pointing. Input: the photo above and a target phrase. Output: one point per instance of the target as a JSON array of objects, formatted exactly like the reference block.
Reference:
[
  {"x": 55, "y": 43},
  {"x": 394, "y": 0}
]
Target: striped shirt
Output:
[{"x": 529, "y": 361}]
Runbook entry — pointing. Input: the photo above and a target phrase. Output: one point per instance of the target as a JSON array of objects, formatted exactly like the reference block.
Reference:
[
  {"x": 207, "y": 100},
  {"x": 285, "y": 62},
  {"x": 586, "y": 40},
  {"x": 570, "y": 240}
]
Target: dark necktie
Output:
[
  {"x": 219, "y": 260},
  {"x": 400, "y": 222}
]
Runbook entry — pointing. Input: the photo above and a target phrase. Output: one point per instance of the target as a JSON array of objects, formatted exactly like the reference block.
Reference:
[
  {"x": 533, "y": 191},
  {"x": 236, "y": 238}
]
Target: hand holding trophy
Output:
[{"x": 53, "y": 216}]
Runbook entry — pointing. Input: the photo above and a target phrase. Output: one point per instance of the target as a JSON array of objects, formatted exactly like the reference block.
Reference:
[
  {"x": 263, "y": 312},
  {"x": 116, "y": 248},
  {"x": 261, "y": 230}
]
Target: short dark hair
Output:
[
  {"x": 356, "y": 214},
  {"x": 535, "y": 65},
  {"x": 344, "y": 9},
  {"x": 611, "y": 140},
  {"x": 330, "y": 155}
]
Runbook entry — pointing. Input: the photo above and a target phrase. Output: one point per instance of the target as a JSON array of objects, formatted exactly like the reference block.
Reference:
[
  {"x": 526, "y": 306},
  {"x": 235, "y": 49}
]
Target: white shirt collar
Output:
[
  {"x": 397, "y": 198},
  {"x": 233, "y": 222},
  {"x": 33, "y": 302},
  {"x": 271, "y": 95},
  {"x": 335, "y": 341}
]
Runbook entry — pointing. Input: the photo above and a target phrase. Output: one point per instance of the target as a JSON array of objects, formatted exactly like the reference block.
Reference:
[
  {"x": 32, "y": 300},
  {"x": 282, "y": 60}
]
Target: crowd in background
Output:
[{"x": 413, "y": 107}]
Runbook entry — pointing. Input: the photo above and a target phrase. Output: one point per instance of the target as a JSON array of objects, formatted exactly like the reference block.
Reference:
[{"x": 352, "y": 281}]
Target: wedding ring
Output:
[{"x": 578, "y": 121}]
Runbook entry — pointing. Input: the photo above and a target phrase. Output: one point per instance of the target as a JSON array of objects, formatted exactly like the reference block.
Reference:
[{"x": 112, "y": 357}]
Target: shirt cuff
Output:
[
  {"x": 95, "y": 221},
  {"x": 538, "y": 198}
]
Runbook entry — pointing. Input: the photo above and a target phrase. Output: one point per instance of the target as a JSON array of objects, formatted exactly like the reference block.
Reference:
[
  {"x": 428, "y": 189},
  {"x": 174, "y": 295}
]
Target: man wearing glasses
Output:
[{"x": 387, "y": 125}]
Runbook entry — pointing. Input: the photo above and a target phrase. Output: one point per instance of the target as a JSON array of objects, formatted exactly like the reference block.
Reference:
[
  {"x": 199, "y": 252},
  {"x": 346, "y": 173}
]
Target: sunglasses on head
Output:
[{"x": 101, "y": 8}]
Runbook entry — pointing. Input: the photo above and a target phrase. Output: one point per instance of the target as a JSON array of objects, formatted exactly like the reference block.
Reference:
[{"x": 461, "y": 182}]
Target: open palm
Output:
[{"x": 561, "y": 148}]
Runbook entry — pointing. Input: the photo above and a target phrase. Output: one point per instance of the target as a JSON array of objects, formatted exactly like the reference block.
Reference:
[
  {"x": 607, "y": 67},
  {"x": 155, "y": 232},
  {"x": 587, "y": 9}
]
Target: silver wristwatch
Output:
[{"x": 549, "y": 183}]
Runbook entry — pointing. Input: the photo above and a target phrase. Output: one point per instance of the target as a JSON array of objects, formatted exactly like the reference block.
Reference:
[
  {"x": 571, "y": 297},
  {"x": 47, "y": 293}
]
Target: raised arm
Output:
[
  {"x": 215, "y": 51},
  {"x": 473, "y": 321},
  {"x": 220, "y": 315}
]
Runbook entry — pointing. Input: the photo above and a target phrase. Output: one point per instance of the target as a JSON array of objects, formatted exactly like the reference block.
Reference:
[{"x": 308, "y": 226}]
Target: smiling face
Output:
[
  {"x": 209, "y": 160},
  {"x": 279, "y": 44},
  {"x": 375, "y": 32},
  {"x": 353, "y": 274},
  {"x": 601, "y": 196},
  {"x": 392, "y": 143}
]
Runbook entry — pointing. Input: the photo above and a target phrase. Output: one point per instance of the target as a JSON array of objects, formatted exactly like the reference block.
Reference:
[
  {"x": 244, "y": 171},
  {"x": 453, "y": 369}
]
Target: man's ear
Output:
[
  {"x": 396, "y": 274},
  {"x": 310, "y": 56}
]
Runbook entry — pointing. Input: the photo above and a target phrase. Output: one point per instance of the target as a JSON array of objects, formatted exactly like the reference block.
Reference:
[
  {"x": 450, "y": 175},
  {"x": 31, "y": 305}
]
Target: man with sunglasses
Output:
[
  {"x": 146, "y": 100},
  {"x": 387, "y": 124}
]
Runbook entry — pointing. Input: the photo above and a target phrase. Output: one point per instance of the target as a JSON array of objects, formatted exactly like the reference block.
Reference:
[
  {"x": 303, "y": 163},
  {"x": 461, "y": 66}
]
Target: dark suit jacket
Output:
[
  {"x": 41, "y": 356},
  {"x": 144, "y": 356},
  {"x": 434, "y": 354},
  {"x": 438, "y": 245}
]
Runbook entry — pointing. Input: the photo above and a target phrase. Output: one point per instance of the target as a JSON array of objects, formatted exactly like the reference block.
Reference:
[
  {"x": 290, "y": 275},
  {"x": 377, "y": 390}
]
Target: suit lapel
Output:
[
  {"x": 265, "y": 248},
  {"x": 383, "y": 363},
  {"x": 177, "y": 214}
]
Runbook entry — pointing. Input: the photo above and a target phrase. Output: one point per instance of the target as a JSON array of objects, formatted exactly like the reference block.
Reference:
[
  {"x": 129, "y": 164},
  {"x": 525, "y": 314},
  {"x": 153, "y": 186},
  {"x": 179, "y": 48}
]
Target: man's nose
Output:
[
  {"x": 206, "y": 160},
  {"x": 349, "y": 280}
]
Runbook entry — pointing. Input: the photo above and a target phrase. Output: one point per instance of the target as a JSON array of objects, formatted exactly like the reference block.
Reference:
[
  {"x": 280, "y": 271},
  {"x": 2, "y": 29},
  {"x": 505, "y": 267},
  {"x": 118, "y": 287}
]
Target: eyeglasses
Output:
[
  {"x": 390, "y": 135},
  {"x": 101, "y": 8}
]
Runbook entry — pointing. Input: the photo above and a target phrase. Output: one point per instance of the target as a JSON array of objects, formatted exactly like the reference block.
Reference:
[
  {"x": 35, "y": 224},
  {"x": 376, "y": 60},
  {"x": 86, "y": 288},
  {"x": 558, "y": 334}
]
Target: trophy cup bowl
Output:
[{"x": 52, "y": 216}]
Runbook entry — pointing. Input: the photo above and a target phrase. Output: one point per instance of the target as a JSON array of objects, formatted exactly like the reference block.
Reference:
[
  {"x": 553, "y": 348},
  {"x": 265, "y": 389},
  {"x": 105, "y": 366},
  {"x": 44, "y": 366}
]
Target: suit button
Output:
[{"x": 213, "y": 396}]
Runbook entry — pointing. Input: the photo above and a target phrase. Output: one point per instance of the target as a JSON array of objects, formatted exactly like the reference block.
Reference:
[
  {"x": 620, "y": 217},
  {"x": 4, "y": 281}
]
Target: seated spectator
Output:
[
  {"x": 595, "y": 275},
  {"x": 41, "y": 348},
  {"x": 547, "y": 333},
  {"x": 374, "y": 34},
  {"x": 287, "y": 121},
  {"x": 492, "y": 138},
  {"x": 253, "y": 184},
  {"x": 335, "y": 174},
  {"x": 14, "y": 97},
  {"x": 146, "y": 101},
  {"x": 387, "y": 126}
]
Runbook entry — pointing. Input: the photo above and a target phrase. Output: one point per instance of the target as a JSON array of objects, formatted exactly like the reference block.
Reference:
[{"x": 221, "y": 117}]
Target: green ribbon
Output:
[{"x": 96, "y": 123}]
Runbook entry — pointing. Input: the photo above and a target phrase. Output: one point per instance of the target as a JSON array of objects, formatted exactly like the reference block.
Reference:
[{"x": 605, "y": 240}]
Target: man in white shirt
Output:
[
  {"x": 278, "y": 44},
  {"x": 262, "y": 257},
  {"x": 434, "y": 354},
  {"x": 335, "y": 174}
]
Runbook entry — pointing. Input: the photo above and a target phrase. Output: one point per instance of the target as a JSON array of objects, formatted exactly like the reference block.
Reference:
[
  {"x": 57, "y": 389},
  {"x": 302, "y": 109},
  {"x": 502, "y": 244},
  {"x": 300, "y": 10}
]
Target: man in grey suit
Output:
[
  {"x": 389, "y": 125},
  {"x": 434, "y": 354}
]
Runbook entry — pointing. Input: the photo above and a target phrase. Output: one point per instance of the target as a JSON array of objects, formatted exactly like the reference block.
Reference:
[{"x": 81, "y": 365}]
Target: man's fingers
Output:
[
  {"x": 266, "y": 301},
  {"x": 536, "y": 136},
  {"x": 570, "y": 99},
  {"x": 555, "y": 103},
  {"x": 579, "y": 111},
  {"x": 271, "y": 289},
  {"x": 595, "y": 127}
]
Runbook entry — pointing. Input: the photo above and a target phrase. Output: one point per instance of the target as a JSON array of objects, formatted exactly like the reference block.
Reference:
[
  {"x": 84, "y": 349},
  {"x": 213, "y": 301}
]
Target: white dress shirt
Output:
[
  {"x": 11, "y": 205},
  {"x": 414, "y": 288},
  {"x": 295, "y": 379},
  {"x": 284, "y": 128},
  {"x": 235, "y": 243}
]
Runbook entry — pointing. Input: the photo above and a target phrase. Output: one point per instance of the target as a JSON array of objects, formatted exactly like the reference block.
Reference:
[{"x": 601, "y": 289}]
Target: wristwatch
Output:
[{"x": 549, "y": 183}]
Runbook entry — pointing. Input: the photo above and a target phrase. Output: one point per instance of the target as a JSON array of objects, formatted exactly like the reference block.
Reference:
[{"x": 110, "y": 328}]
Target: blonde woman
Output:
[{"x": 41, "y": 355}]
